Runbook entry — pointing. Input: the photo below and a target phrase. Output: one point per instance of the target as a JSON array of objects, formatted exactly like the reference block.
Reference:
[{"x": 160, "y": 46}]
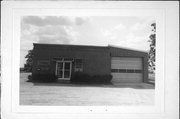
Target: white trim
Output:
[
  {"x": 126, "y": 77},
  {"x": 63, "y": 69}
]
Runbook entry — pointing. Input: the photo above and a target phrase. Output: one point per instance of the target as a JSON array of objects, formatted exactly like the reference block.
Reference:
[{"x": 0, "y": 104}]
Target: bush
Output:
[
  {"x": 44, "y": 78},
  {"x": 79, "y": 77},
  {"x": 102, "y": 78},
  {"x": 29, "y": 78}
]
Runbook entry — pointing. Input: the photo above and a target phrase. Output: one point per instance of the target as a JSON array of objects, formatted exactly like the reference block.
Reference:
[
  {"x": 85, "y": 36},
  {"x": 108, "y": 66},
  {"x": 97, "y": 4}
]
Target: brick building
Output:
[{"x": 125, "y": 65}]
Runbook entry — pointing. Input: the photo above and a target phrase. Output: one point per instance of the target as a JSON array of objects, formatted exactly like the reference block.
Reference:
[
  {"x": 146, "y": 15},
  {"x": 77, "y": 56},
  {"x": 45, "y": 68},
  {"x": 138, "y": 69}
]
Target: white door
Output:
[
  {"x": 63, "y": 70},
  {"x": 126, "y": 69}
]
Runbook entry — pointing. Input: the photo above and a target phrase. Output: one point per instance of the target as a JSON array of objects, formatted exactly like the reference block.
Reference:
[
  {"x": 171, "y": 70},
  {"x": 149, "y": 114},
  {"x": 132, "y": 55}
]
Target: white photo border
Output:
[{"x": 11, "y": 17}]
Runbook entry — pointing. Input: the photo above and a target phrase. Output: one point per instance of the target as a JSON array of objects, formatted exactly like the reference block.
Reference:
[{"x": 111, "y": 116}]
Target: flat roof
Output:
[
  {"x": 92, "y": 46},
  {"x": 70, "y": 45}
]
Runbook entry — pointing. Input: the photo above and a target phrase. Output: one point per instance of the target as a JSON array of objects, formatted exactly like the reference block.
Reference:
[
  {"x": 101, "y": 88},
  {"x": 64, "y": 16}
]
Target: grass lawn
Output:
[{"x": 84, "y": 95}]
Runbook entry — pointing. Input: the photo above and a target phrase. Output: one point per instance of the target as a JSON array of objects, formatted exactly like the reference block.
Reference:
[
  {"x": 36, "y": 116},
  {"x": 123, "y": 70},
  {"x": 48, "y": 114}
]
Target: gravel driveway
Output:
[{"x": 84, "y": 95}]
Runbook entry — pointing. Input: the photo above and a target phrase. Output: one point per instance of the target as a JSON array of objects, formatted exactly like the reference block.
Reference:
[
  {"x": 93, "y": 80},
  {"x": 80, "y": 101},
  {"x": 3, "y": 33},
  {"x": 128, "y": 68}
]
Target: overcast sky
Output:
[{"x": 130, "y": 32}]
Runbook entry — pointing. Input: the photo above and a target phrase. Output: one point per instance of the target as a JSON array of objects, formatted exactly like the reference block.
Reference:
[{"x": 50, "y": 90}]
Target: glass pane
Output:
[
  {"x": 78, "y": 69},
  {"x": 68, "y": 59},
  {"x": 78, "y": 60},
  {"x": 58, "y": 58},
  {"x": 66, "y": 74},
  {"x": 130, "y": 71},
  {"x": 114, "y": 70},
  {"x": 122, "y": 71},
  {"x": 78, "y": 65},
  {"x": 67, "y": 66},
  {"x": 60, "y": 65},
  {"x": 59, "y": 73},
  {"x": 138, "y": 71}
]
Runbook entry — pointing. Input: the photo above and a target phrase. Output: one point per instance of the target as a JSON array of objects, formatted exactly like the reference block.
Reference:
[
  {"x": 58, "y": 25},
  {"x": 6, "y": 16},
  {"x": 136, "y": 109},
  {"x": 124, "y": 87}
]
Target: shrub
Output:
[
  {"x": 44, "y": 78},
  {"x": 29, "y": 78},
  {"x": 102, "y": 78},
  {"x": 79, "y": 77}
]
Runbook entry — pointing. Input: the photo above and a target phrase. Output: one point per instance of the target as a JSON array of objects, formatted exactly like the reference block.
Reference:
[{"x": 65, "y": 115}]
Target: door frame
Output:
[{"x": 64, "y": 69}]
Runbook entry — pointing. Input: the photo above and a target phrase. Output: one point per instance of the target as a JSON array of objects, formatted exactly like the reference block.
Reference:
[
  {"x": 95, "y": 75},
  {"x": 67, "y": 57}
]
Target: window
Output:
[
  {"x": 68, "y": 59},
  {"x": 126, "y": 71},
  {"x": 138, "y": 71},
  {"x": 78, "y": 65},
  {"x": 63, "y": 59},
  {"x": 130, "y": 71},
  {"x": 43, "y": 65},
  {"x": 43, "y": 62},
  {"x": 114, "y": 70},
  {"x": 58, "y": 58},
  {"x": 122, "y": 70}
]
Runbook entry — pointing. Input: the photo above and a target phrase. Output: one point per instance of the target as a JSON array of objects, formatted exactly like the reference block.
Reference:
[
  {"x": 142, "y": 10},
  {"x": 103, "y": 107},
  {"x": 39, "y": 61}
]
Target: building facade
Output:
[{"x": 124, "y": 65}]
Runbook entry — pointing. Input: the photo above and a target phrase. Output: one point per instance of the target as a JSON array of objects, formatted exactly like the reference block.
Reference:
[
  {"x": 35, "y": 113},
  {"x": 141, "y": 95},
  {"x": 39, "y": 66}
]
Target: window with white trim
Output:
[{"x": 78, "y": 67}]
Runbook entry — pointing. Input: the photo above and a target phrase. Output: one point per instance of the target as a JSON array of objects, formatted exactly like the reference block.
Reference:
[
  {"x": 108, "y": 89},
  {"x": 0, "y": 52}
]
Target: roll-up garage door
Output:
[{"x": 126, "y": 69}]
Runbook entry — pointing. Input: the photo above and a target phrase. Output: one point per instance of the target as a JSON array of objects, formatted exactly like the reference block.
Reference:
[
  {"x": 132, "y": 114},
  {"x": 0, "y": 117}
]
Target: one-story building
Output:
[{"x": 125, "y": 65}]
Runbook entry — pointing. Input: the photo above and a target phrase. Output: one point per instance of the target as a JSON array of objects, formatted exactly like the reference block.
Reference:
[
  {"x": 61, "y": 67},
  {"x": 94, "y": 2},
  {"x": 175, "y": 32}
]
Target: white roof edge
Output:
[{"x": 127, "y": 48}]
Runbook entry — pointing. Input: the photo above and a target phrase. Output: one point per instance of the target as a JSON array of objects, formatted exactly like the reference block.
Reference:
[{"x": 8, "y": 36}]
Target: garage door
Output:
[{"x": 126, "y": 69}]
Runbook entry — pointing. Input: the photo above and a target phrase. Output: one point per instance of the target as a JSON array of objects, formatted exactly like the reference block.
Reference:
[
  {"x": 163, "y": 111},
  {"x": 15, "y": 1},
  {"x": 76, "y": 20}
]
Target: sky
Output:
[{"x": 123, "y": 31}]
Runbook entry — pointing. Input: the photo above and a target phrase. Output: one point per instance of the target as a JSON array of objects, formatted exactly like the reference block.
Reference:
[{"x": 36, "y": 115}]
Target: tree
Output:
[
  {"x": 29, "y": 61},
  {"x": 152, "y": 51}
]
